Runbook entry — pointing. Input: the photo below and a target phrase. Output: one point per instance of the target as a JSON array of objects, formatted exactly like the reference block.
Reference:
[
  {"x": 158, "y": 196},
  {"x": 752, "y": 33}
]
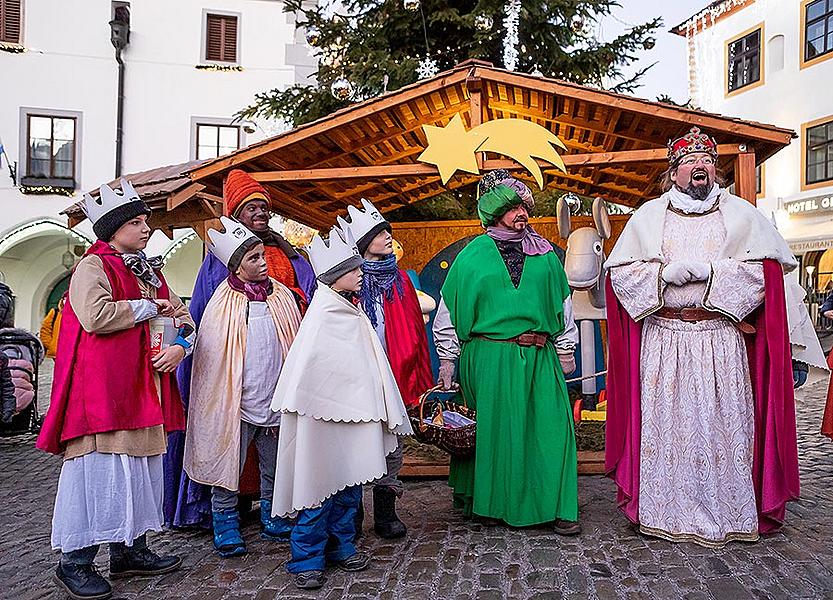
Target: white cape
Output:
[
  {"x": 749, "y": 236},
  {"x": 341, "y": 407}
]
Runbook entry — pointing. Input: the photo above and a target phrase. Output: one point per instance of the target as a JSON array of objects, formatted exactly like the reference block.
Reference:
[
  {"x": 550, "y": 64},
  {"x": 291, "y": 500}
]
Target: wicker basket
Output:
[{"x": 457, "y": 441}]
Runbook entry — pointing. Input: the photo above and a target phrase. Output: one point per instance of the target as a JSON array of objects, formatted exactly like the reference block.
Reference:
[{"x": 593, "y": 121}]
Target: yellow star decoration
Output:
[{"x": 452, "y": 148}]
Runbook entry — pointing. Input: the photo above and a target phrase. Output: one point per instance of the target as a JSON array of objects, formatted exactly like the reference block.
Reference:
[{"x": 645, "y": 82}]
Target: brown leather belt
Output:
[
  {"x": 692, "y": 314},
  {"x": 530, "y": 338}
]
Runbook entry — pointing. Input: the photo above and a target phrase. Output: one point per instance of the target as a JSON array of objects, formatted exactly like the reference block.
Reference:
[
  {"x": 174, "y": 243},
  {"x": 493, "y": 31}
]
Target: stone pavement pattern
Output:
[{"x": 446, "y": 557}]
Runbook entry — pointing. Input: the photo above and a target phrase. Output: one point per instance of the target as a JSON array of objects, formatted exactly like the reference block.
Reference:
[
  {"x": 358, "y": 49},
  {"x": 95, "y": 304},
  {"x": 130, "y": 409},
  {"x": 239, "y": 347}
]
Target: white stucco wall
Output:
[
  {"x": 788, "y": 98},
  {"x": 69, "y": 65}
]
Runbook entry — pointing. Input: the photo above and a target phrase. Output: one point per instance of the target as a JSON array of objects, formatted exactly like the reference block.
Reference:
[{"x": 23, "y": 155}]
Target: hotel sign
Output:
[{"x": 810, "y": 206}]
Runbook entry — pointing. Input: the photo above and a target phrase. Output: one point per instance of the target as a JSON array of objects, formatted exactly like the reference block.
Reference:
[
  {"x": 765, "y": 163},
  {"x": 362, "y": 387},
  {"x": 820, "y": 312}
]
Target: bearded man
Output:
[
  {"x": 701, "y": 437},
  {"x": 506, "y": 313},
  {"x": 188, "y": 503}
]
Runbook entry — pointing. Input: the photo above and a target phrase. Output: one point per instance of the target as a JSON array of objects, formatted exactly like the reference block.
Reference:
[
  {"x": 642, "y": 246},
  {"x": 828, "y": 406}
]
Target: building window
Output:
[
  {"x": 215, "y": 140},
  {"x": 50, "y": 149},
  {"x": 818, "y": 29},
  {"x": 758, "y": 180},
  {"x": 820, "y": 153},
  {"x": 10, "y": 21},
  {"x": 220, "y": 38},
  {"x": 744, "y": 61}
]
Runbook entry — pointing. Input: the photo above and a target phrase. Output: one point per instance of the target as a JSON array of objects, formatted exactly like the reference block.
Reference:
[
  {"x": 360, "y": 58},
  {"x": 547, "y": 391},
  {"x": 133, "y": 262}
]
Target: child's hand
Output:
[{"x": 167, "y": 360}]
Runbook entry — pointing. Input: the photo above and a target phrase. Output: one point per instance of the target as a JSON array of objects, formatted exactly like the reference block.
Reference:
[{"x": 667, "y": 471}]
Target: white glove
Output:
[
  {"x": 445, "y": 376},
  {"x": 567, "y": 362},
  {"x": 680, "y": 272}
]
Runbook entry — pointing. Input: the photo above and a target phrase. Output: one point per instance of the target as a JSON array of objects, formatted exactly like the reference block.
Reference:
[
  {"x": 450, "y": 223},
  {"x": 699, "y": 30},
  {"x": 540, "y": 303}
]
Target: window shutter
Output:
[
  {"x": 230, "y": 39},
  {"x": 221, "y": 38},
  {"x": 10, "y": 21}
]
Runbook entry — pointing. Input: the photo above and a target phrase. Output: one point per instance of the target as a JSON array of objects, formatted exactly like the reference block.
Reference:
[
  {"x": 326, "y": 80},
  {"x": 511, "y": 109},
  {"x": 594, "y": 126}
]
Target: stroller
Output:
[{"x": 25, "y": 353}]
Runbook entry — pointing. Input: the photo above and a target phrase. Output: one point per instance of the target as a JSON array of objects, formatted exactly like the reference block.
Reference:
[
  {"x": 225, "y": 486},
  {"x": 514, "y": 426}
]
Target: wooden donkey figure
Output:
[{"x": 585, "y": 273}]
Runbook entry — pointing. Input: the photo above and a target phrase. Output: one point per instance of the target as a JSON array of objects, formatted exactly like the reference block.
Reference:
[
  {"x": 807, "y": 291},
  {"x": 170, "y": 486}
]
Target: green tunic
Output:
[{"x": 524, "y": 468}]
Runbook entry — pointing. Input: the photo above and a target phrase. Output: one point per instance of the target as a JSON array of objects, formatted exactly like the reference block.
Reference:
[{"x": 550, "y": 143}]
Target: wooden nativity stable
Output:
[{"x": 615, "y": 149}]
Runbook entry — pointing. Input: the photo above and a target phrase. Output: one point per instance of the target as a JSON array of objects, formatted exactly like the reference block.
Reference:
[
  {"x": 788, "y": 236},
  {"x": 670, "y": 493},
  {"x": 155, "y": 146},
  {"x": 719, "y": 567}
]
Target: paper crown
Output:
[
  {"x": 324, "y": 255},
  {"x": 224, "y": 244},
  {"x": 361, "y": 221},
  {"x": 108, "y": 200},
  {"x": 693, "y": 141}
]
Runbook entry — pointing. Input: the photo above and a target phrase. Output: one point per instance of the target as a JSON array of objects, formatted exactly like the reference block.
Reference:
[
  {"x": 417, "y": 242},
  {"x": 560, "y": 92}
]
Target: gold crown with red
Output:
[{"x": 693, "y": 141}]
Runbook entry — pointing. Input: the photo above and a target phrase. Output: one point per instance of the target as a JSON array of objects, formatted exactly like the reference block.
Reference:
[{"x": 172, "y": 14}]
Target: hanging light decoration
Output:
[
  {"x": 411, "y": 5},
  {"x": 342, "y": 89},
  {"x": 483, "y": 22},
  {"x": 313, "y": 35},
  {"x": 427, "y": 68},
  {"x": 577, "y": 24},
  {"x": 649, "y": 43},
  {"x": 67, "y": 258},
  {"x": 510, "y": 41}
]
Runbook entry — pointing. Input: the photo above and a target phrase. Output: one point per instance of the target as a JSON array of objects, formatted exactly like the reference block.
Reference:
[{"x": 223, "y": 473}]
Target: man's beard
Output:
[{"x": 698, "y": 191}]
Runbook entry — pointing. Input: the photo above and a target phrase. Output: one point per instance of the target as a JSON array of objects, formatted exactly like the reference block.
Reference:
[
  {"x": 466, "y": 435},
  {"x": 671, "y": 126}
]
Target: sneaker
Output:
[
  {"x": 358, "y": 562},
  {"x": 563, "y": 527},
  {"x": 142, "y": 562},
  {"x": 310, "y": 580},
  {"x": 82, "y": 582}
]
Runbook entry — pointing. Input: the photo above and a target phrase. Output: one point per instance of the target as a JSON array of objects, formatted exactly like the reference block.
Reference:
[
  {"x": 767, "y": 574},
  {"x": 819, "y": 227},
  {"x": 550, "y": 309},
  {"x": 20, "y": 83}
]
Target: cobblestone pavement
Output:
[{"x": 445, "y": 557}]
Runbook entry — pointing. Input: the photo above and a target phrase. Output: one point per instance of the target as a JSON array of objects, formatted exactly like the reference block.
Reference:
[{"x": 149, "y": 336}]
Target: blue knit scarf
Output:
[{"x": 380, "y": 277}]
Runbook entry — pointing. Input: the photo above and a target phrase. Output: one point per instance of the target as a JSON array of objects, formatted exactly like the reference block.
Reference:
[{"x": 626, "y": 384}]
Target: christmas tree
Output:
[{"x": 367, "y": 47}]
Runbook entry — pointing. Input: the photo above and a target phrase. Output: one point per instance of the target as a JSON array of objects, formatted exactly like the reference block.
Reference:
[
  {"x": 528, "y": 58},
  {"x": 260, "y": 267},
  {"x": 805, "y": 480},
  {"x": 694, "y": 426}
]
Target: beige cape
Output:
[
  {"x": 212, "y": 437},
  {"x": 341, "y": 406}
]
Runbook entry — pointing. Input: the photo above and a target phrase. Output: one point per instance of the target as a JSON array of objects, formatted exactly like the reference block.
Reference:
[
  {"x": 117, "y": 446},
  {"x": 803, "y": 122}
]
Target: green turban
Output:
[{"x": 495, "y": 203}]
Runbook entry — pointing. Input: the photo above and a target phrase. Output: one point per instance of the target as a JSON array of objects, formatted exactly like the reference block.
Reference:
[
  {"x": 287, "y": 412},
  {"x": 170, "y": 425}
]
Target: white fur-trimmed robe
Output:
[{"x": 341, "y": 408}]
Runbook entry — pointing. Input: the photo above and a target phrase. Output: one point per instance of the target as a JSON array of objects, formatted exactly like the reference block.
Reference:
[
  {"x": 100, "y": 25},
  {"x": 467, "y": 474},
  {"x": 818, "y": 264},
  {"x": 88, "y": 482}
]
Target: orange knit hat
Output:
[{"x": 240, "y": 188}]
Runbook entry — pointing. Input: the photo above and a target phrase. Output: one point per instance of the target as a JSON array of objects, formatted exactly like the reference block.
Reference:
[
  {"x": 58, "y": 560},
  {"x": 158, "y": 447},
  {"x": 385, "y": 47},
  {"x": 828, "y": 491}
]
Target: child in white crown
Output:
[
  {"x": 336, "y": 385},
  {"x": 244, "y": 335}
]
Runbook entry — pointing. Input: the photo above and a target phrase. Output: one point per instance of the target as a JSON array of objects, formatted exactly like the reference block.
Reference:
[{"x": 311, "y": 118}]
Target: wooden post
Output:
[{"x": 745, "y": 176}]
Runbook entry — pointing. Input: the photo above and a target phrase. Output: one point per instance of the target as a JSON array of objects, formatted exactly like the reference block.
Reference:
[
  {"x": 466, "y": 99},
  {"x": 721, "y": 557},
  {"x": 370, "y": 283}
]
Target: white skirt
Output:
[{"x": 107, "y": 498}]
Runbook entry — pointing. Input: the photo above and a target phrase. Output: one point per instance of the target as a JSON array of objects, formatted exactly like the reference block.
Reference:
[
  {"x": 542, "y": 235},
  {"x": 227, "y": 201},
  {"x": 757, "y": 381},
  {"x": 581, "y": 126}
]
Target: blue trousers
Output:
[{"x": 325, "y": 533}]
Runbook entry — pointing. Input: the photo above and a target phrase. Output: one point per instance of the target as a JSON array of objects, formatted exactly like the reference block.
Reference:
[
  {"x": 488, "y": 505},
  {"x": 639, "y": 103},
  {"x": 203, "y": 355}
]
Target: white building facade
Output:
[
  {"x": 772, "y": 61},
  {"x": 189, "y": 67}
]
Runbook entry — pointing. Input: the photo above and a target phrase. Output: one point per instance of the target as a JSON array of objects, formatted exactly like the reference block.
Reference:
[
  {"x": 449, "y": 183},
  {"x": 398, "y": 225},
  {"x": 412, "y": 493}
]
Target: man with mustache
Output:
[
  {"x": 187, "y": 503},
  {"x": 506, "y": 314},
  {"x": 701, "y": 437}
]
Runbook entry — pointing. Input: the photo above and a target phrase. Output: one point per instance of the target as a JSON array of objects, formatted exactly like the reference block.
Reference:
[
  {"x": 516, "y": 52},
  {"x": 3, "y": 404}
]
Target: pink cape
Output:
[
  {"x": 105, "y": 382},
  {"x": 775, "y": 451}
]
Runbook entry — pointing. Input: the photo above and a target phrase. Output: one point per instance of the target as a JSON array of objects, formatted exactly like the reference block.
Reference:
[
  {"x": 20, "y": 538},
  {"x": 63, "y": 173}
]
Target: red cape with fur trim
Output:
[
  {"x": 775, "y": 453},
  {"x": 407, "y": 343},
  {"x": 105, "y": 382}
]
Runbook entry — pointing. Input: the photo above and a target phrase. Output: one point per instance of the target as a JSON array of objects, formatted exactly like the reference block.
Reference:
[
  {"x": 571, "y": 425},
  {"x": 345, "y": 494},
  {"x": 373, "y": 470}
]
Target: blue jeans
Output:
[{"x": 325, "y": 533}]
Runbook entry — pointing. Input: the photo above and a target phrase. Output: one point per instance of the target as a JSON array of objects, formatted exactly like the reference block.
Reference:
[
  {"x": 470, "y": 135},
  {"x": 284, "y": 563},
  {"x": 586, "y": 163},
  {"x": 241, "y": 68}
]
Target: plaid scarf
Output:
[
  {"x": 143, "y": 267},
  {"x": 380, "y": 278}
]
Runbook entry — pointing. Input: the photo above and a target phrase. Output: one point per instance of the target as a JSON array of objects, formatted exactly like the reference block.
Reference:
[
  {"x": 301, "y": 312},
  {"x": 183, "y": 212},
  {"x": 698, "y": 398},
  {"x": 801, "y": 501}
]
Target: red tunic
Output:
[{"x": 105, "y": 382}]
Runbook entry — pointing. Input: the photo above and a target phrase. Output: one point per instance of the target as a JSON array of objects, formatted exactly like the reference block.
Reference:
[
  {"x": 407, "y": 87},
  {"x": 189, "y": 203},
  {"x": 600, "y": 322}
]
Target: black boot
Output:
[
  {"x": 139, "y": 560},
  {"x": 385, "y": 522},
  {"x": 82, "y": 582},
  {"x": 358, "y": 521}
]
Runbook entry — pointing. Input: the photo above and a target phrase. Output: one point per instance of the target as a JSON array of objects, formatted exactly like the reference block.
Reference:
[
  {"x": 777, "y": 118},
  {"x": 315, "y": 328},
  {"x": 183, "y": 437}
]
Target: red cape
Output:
[
  {"x": 775, "y": 452},
  {"x": 827, "y": 421},
  {"x": 105, "y": 382},
  {"x": 407, "y": 343}
]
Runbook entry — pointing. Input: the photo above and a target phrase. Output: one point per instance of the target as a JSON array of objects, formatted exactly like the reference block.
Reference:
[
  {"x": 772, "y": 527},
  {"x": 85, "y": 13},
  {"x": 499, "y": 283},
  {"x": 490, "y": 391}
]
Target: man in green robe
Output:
[{"x": 506, "y": 313}]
